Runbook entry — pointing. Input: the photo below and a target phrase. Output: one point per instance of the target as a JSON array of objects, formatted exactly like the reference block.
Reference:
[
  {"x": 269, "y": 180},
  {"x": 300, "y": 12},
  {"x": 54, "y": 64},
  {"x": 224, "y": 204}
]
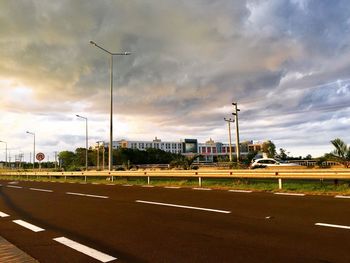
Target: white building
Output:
[{"x": 167, "y": 146}]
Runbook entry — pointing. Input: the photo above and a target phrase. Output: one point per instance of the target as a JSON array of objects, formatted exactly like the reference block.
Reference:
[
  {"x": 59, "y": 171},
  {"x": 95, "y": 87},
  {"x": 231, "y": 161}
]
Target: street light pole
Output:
[
  {"x": 6, "y": 164},
  {"x": 32, "y": 133},
  {"x": 237, "y": 130},
  {"x": 110, "y": 148},
  {"x": 86, "y": 140},
  {"x": 229, "y": 135}
]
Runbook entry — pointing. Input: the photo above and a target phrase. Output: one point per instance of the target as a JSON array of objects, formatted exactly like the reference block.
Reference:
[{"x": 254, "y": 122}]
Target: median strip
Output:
[
  {"x": 184, "y": 206},
  {"x": 88, "y": 195},
  {"x": 40, "y": 190},
  {"x": 28, "y": 225},
  {"x": 331, "y": 225},
  {"x": 2, "y": 214},
  {"x": 85, "y": 249}
]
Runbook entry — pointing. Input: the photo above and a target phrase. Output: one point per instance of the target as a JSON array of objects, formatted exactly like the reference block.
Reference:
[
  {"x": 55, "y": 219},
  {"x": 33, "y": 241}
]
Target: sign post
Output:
[{"x": 40, "y": 156}]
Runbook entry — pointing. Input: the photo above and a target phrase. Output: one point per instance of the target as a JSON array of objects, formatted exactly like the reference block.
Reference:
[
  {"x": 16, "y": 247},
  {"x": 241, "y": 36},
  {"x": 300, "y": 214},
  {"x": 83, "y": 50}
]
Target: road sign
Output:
[{"x": 40, "y": 156}]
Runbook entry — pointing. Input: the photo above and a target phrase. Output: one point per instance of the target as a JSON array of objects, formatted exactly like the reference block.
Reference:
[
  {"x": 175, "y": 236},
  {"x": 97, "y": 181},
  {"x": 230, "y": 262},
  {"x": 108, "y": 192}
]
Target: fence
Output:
[{"x": 326, "y": 174}]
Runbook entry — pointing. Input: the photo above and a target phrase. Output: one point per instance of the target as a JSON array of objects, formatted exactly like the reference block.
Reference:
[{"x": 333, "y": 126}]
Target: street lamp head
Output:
[
  {"x": 127, "y": 53},
  {"x": 77, "y": 115},
  {"x": 92, "y": 43}
]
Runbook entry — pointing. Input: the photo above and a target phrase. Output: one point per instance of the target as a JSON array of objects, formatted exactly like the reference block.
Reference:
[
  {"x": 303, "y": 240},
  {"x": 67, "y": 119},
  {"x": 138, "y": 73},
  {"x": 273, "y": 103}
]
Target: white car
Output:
[{"x": 269, "y": 162}]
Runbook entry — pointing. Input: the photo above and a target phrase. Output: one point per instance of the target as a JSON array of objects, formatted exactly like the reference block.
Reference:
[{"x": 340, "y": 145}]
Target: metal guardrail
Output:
[{"x": 326, "y": 174}]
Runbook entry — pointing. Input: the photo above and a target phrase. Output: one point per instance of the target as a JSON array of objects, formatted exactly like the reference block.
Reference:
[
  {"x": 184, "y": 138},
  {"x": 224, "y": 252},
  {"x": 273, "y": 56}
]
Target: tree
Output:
[
  {"x": 269, "y": 148},
  {"x": 282, "y": 154},
  {"x": 66, "y": 158},
  {"x": 341, "y": 152}
]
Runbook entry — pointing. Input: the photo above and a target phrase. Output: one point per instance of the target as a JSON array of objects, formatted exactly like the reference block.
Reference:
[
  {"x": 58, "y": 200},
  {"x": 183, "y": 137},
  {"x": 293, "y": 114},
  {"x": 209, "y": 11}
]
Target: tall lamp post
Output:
[
  {"x": 86, "y": 140},
  {"x": 32, "y": 133},
  {"x": 110, "y": 162},
  {"x": 5, "y": 153}
]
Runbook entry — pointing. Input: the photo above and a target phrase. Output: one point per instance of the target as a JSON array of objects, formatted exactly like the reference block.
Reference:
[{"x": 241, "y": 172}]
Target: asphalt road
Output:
[{"x": 114, "y": 223}]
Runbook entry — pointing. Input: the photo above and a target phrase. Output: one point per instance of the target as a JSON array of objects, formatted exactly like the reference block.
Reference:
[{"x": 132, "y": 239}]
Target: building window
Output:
[
  {"x": 209, "y": 149},
  {"x": 214, "y": 149}
]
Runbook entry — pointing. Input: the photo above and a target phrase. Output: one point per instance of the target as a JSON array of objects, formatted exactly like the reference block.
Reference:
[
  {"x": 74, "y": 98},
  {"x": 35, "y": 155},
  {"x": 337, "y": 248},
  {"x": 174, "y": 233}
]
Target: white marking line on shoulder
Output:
[
  {"x": 291, "y": 194},
  {"x": 28, "y": 225},
  {"x": 2, "y": 214},
  {"x": 41, "y": 190},
  {"x": 88, "y": 195},
  {"x": 331, "y": 225},
  {"x": 184, "y": 206},
  {"x": 85, "y": 249},
  {"x": 14, "y": 186},
  {"x": 240, "y": 191}
]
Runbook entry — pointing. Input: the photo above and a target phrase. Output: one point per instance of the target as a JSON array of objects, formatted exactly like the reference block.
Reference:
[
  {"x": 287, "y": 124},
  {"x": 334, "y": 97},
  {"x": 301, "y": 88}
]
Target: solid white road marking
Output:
[
  {"x": 85, "y": 249},
  {"x": 41, "y": 190},
  {"x": 292, "y": 194},
  {"x": 89, "y": 195},
  {"x": 172, "y": 187},
  {"x": 343, "y": 196},
  {"x": 240, "y": 191},
  {"x": 28, "y": 225},
  {"x": 202, "y": 189},
  {"x": 184, "y": 206},
  {"x": 2, "y": 214},
  {"x": 127, "y": 185},
  {"x": 147, "y": 186},
  {"x": 331, "y": 225},
  {"x": 14, "y": 186}
]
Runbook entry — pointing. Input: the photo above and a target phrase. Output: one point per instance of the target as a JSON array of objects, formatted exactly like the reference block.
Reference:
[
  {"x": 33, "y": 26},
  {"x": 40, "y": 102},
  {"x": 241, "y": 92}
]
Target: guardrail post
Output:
[
  {"x": 279, "y": 183},
  {"x": 27, "y": 177},
  {"x": 112, "y": 178},
  {"x": 85, "y": 178},
  {"x": 148, "y": 180},
  {"x": 200, "y": 181}
]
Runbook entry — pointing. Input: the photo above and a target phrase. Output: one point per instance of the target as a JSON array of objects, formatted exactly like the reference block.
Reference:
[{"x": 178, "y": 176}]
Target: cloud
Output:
[{"x": 285, "y": 63}]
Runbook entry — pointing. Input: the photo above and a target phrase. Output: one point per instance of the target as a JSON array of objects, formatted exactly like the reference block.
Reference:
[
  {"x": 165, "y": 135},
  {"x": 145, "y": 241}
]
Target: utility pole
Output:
[
  {"x": 235, "y": 113},
  {"x": 229, "y": 135},
  {"x": 55, "y": 160},
  {"x": 103, "y": 156},
  {"x": 98, "y": 155}
]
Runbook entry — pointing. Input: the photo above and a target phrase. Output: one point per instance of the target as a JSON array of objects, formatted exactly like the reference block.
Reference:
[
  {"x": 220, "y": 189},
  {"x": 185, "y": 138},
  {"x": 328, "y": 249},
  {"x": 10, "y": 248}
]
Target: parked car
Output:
[{"x": 269, "y": 162}]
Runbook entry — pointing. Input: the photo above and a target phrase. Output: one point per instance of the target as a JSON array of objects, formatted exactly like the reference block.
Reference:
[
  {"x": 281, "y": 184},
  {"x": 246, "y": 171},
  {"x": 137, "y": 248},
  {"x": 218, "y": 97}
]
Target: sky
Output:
[{"x": 285, "y": 62}]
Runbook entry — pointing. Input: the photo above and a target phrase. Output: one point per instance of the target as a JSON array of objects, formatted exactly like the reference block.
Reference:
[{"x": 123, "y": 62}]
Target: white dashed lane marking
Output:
[
  {"x": 291, "y": 194},
  {"x": 28, "y": 225},
  {"x": 2, "y": 214},
  {"x": 240, "y": 191},
  {"x": 172, "y": 187},
  {"x": 14, "y": 186},
  {"x": 201, "y": 189},
  {"x": 88, "y": 195},
  {"x": 85, "y": 249},
  {"x": 343, "y": 196},
  {"x": 184, "y": 206},
  {"x": 41, "y": 190},
  {"x": 331, "y": 225}
]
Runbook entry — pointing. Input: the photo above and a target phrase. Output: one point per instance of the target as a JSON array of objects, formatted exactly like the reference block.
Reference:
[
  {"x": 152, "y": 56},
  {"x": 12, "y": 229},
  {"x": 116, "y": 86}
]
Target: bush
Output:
[{"x": 120, "y": 168}]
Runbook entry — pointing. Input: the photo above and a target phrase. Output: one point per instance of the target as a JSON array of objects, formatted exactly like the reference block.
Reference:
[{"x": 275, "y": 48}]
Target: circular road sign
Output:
[{"x": 40, "y": 156}]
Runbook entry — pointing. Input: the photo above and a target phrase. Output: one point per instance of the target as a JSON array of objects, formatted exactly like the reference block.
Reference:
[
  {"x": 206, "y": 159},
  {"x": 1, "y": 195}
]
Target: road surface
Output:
[{"x": 64, "y": 222}]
